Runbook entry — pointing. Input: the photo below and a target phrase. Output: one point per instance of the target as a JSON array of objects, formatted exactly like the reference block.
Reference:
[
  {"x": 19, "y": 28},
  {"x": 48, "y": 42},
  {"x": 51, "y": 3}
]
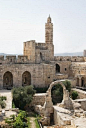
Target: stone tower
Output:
[
  {"x": 49, "y": 38},
  {"x": 29, "y": 50},
  {"x": 49, "y": 31}
]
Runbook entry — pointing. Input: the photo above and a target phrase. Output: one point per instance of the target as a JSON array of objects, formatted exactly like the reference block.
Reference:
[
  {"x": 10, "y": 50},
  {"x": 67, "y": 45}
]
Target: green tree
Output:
[{"x": 22, "y": 96}]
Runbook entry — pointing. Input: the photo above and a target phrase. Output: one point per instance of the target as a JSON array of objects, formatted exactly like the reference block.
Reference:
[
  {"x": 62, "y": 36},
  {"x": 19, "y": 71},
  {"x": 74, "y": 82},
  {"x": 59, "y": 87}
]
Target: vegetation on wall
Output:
[
  {"x": 2, "y": 101},
  {"x": 22, "y": 96},
  {"x": 41, "y": 89},
  {"x": 74, "y": 95},
  {"x": 57, "y": 91}
]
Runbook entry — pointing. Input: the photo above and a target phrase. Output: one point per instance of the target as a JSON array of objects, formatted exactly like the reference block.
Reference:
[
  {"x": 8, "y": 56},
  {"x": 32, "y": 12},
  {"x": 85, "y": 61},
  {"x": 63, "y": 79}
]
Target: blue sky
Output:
[{"x": 24, "y": 20}]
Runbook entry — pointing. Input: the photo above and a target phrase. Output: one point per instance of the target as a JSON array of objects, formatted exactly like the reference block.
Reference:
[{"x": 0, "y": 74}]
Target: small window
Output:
[
  {"x": 57, "y": 68},
  {"x": 65, "y": 69}
]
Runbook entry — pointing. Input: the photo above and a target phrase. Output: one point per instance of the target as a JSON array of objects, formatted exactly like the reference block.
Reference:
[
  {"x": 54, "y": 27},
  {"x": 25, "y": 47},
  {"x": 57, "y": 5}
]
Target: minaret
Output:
[
  {"x": 49, "y": 39},
  {"x": 49, "y": 31}
]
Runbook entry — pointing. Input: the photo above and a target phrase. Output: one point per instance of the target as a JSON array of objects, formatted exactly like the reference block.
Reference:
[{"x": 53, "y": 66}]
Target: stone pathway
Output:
[
  {"x": 8, "y": 94},
  {"x": 32, "y": 121}
]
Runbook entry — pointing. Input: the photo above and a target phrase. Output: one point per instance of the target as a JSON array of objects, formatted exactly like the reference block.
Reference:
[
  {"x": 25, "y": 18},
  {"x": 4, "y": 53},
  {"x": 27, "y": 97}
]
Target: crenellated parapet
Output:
[
  {"x": 20, "y": 59},
  {"x": 69, "y": 58},
  {"x": 41, "y": 46}
]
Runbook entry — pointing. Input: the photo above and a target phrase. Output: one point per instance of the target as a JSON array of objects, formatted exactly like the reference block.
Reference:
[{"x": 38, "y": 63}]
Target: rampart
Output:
[
  {"x": 69, "y": 58},
  {"x": 14, "y": 59},
  {"x": 24, "y": 59}
]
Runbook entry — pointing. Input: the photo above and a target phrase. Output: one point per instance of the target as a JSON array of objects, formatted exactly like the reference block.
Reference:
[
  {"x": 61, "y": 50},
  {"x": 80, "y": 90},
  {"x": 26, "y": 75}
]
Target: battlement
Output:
[
  {"x": 41, "y": 46},
  {"x": 14, "y": 59},
  {"x": 69, "y": 58}
]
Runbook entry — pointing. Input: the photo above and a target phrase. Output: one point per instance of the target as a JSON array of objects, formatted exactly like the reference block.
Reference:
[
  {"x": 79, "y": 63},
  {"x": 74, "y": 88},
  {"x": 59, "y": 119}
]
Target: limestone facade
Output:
[{"x": 38, "y": 65}]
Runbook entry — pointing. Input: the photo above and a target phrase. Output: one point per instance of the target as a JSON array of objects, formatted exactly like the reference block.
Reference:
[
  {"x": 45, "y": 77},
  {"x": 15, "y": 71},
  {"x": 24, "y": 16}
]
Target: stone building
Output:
[{"x": 39, "y": 67}]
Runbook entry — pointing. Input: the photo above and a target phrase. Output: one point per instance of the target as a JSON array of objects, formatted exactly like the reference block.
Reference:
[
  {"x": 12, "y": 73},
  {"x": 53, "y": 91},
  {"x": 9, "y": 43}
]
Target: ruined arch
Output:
[
  {"x": 7, "y": 80},
  {"x": 57, "y": 68},
  {"x": 65, "y": 92},
  {"x": 26, "y": 78}
]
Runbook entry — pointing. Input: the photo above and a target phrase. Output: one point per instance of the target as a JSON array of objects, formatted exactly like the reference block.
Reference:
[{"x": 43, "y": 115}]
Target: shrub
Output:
[
  {"x": 67, "y": 85},
  {"x": 3, "y": 104},
  {"x": 22, "y": 96},
  {"x": 41, "y": 90},
  {"x": 74, "y": 95},
  {"x": 3, "y": 98}
]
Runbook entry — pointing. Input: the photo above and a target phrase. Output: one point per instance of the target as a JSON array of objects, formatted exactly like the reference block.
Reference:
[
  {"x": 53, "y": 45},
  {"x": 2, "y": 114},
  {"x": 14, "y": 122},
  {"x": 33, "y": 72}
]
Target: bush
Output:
[
  {"x": 74, "y": 95},
  {"x": 18, "y": 122},
  {"x": 22, "y": 96},
  {"x": 67, "y": 85},
  {"x": 3, "y": 104},
  {"x": 41, "y": 90},
  {"x": 3, "y": 98}
]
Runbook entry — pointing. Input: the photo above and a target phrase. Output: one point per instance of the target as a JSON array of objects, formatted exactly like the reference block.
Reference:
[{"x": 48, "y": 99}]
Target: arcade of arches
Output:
[
  {"x": 80, "y": 81},
  {"x": 8, "y": 79}
]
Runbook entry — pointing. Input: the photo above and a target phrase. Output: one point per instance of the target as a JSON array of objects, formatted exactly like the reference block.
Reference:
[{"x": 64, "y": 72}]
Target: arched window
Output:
[
  {"x": 57, "y": 68},
  {"x": 7, "y": 80},
  {"x": 77, "y": 82},
  {"x": 82, "y": 81},
  {"x": 26, "y": 78}
]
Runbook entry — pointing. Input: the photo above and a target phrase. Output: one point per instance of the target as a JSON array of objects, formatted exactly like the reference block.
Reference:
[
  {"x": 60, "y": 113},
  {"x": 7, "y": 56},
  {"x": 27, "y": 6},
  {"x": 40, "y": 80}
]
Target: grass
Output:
[
  {"x": 28, "y": 122},
  {"x": 36, "y": 123}
]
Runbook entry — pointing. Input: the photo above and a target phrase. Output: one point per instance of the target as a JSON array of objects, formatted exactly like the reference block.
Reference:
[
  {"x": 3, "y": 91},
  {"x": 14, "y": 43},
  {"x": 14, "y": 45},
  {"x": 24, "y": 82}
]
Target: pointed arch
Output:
[
  {"x": 7, "y": 80},
  {"x": 57, "y": 68},
  {"x": 26, "y": 78}
]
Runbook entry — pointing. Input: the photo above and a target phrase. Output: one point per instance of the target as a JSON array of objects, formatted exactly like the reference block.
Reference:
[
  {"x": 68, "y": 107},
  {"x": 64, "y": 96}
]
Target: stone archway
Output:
[
  {"x": 26, "y": 78},
  {"x": 7, "y": 80},
  {"x": 66, "y": 102},
  {"x": 57, "y": 68},
  {"x": 47, "y": 109},
  {"x": 65, "y": 92}
]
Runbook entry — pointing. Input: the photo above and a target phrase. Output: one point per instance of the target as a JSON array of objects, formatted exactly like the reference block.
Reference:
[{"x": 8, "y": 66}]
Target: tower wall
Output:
[{"x": 29, "y": 50}]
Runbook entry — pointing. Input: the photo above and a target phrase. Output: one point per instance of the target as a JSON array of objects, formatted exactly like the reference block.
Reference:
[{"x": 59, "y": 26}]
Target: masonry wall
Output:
[{"x": 41, "y": 74}]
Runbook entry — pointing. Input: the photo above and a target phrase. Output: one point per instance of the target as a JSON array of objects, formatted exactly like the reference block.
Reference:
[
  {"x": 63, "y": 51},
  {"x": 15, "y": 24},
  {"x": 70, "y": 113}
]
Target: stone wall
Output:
[
  {"x": 41, "y": 74},
  {"x": 81, "y": 94},
  {"x": 69, "y": 58},
  {"x": 38, "y": 99},
  {"x": 82, "y": 102},
  {"x": 61, "y": 116}
]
